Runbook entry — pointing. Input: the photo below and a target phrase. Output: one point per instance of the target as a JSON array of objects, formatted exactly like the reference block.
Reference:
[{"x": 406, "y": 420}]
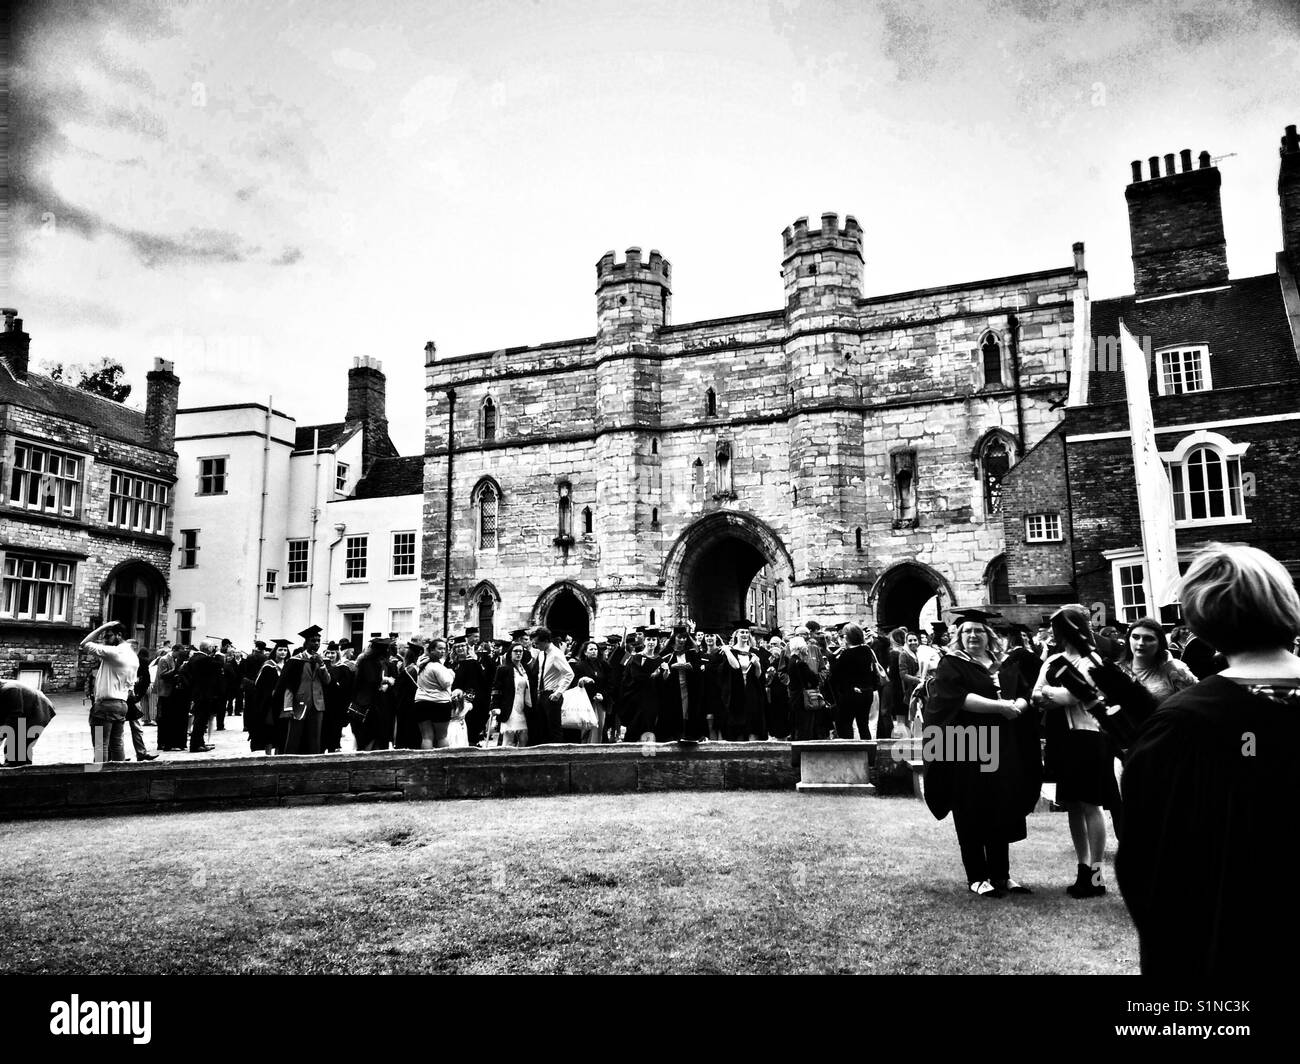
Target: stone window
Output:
[
  {"x": 36, "y": 589},
  {"x": 1206, "y": 480},
  {"x": 212, "y": 476},
  {"x": 991, "y": 359},
  {"x": 995, "y": 463},
  {"x": 654, "y": 517},
  {"x": 486, "y": 501},
  {"x": 137, "y": 503},
  {"x": 45, "y": 480},
  {"x": 1183, "y": 369},
  {"x": 403, "y": 554},
  {"x": 489, "y": 420},
  {"x": 189, "y": 549},
  {"x": 654, "y": 446},
  {"x": 564, "y": 505},
  {"x": 185, "y": 627},
  {"x": 586, "y": 521},
  {"x": 355, "y": 557},
  {"x": 903, "y": 465},
  {"x": 857, "y": 537},
  {"x": 299, "y": 554},
  {"x": 710, "y": 403}
]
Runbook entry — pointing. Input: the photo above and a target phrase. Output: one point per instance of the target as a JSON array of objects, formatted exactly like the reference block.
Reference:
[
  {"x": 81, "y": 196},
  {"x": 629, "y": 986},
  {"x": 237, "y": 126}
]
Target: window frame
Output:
[
  {"x": 304, "y": 561},
  {"x": 987, "y": 489},
  {"x": 1202, "y": 353},
  {"x": 192, "y": 548},
  {"x": 224, "y": 475},
  {"x": 189, "y": 615},
  {"x": 981, "y": 359},
  {"x": 403, "y": 633},
  {"x": 341, "y": 470},
  {"x": 130, "y": 500},
  {"x": 489, "y": 428},
  {"x": 54, "y": 586},
  {"x": 1231, "y": 492},
  {"x": 1049, "y": 517},
  {"x": 482, "y": 488},
  {"x": 356, "y": 568},
  {"x": 75, "y": 483},
  {"x": 393, "y": 555},
  {"x": 271, "y": 583}
]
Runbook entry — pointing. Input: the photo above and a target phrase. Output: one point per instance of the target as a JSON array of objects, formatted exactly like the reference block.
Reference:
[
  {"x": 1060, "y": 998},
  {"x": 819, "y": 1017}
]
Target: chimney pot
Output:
[
  {"x": 1137, "y": 170},
  {"x": 1185, "y": 157},
  {"x": 1204, "y": 160},
  {"x": 1078, "y": 256},
  {"x": 1154, "y": 163},
  {"x": 1170, "y": 169}
]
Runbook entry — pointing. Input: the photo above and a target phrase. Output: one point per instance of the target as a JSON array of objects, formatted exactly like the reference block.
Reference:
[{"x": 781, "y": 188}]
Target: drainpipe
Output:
[
  {"x": 446, "y": 560},
  {"x": 1013, "y": 333},
  {"x": 261, "y": 522},
  {"x": 339, "y": 530},
  {"x": 315, "y": 516}
]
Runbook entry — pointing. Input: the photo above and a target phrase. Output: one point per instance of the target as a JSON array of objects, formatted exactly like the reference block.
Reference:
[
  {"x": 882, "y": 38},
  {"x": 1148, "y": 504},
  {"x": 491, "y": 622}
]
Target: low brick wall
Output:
[{"x": 392, "y": 775}]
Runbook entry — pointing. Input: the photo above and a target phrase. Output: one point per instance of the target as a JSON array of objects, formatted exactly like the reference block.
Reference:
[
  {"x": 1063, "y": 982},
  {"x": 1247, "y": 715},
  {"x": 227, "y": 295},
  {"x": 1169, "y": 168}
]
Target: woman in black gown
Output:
[{"x": 980, "y": 745}]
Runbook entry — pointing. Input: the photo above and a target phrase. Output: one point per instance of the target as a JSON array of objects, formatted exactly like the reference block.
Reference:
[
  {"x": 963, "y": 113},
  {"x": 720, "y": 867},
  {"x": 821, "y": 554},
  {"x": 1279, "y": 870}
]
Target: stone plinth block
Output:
[{"x": 835, "y": 765}]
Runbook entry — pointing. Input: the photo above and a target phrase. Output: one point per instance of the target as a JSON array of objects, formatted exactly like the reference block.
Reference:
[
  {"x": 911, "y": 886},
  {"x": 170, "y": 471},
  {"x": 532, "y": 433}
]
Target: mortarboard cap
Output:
[
  {"x": 613, "y": 637},
  {"x": 260, "y": 644},
  {"x": 973, "y": 613},
  {"x": 471, "y": 631},
  {"x": 282, "y": 642},
  {"x": 519, "y": 633},
  {"x": 332, "y": 645},
  {"x": 680, "y": 631},
  {"x": 310, "y": 632}
]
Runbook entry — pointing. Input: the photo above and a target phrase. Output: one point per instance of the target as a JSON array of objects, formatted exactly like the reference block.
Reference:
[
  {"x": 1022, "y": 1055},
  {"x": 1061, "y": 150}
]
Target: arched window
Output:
[
  {"x": 995, "y": 463},
  {"x": 1207, "y": 485},
  {"x": 996, "y": 588},
  {"x": 486, "y": 500},
  {"x": 565, "y": 510},
  {"x": 722, "y": 469},
  {"x": 858, "y": 537},
  {"x": 586, "y": 520},
  {"x": 654, "y": 517},
  {"x": 489, "y": 419},
  {"x": 652, "y": 616},
  {"x": 710, "y": 403},
  {"x": 991, "y": 359},
  {"x": 486, "y": 615},
  {"x": 904, "y": 469},
  {"x": 654, "y": 446},
  {"x": 697, "y": 472}
]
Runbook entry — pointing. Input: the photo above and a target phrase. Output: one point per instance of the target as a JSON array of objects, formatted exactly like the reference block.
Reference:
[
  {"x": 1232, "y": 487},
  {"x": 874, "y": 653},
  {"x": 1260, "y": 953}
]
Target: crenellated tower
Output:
[
  {"x": 822, "y": 270},
  {"x": 633, "y": 301}
]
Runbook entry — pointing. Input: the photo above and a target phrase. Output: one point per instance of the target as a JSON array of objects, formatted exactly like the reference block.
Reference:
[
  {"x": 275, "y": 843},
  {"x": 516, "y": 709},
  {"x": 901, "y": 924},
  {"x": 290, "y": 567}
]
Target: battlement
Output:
[
  {"x": 1185, "y": 157},
  {"x": 655, "y": 270},
  {"x": 798, "y": 237}
]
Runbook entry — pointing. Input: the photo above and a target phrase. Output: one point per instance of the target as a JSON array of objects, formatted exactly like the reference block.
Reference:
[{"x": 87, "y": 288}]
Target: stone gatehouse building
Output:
[{"x": 846, "y": 449}]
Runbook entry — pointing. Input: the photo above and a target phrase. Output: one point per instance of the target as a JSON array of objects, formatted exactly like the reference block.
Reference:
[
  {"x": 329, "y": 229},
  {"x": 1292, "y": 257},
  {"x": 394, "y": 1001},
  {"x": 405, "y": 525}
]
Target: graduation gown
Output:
[
  {"x": 263, "y": 716},
  {"x": 1205, "y": 860},
  {"x": 998, "y": 800},
  {"x": 682, "y": 718},
  {"x": 744, "y": 698},
  {"x": 638, "y": 698},
  {"x": 471, "y": 679}
]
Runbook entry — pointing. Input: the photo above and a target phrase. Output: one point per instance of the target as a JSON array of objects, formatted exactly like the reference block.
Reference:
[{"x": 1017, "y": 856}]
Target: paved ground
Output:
[{"x": 67, "y": 739}]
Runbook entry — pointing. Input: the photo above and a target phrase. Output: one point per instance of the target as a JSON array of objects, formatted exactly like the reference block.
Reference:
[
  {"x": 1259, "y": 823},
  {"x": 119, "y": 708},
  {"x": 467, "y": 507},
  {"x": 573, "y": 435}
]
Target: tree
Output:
[{"x": 103, "y": 377}]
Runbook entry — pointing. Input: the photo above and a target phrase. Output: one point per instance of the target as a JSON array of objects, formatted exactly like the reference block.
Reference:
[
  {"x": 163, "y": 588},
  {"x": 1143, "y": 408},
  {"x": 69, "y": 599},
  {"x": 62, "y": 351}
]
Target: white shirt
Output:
[
  {"x": 557, "y": 673},
  {"x": 116, "y": 675}
]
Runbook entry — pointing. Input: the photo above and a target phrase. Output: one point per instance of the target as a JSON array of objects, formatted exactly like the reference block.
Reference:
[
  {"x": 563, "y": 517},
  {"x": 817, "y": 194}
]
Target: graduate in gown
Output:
[
  {"x": 975, "y": 691},
  {"x": 638, "y": 696},
  {"x": 681, "y": 692},
  {"x": 1208, "y": 788}
]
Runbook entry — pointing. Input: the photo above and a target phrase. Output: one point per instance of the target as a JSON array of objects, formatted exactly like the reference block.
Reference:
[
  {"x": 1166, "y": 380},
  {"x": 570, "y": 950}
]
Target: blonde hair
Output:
[
  {"x": 1240, "y": 598},
  {"x": 995, "y": 644}
]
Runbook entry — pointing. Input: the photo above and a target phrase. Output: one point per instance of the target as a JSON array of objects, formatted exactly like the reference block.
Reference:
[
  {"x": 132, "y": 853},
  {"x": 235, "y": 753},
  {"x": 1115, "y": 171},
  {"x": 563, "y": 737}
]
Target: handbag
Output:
[
  {"x": 576, "y": 710},
  {"x": 813, "y": 701}
]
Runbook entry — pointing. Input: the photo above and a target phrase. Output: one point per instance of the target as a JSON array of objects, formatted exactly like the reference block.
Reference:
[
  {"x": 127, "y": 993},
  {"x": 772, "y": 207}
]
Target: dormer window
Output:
[{"x": 1183, "y": 369}]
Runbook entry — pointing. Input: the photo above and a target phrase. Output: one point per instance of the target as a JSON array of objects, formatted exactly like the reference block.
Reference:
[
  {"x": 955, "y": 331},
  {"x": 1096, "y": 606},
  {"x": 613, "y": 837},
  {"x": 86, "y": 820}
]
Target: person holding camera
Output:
[{"x": 1078, "y": 754}]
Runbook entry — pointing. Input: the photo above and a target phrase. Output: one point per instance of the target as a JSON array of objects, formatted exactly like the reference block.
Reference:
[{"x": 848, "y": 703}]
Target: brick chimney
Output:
[
  {"x": 14, "y": 344},
  {"x": 161, "y": 395},
  {"x": 1175, "y": 224},
  {"x": 367, "y": 403},
  {"x": 1288, "y": 195}
]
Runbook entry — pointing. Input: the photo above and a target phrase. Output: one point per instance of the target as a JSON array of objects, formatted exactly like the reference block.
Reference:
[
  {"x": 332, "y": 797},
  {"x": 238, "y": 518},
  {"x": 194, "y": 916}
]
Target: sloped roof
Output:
[
  {"x": 39, "y": 392},
  {"x": 1245, "y": 326},
  {"x": 334, "y": 433},
  {"x": 393, "y": 476}
]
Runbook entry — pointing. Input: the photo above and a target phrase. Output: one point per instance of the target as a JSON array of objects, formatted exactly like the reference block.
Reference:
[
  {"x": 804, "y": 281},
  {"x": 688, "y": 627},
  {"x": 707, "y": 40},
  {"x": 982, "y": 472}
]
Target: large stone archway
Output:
[
  {"x": 903, "y": 589},
  {"x": 708, "y": 570},
  {"x": 567, "y": 608}
]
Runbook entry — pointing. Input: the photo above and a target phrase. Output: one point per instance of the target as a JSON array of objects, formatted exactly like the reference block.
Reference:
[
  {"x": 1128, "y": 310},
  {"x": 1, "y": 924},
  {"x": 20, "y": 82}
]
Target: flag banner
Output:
[{"x": 1155, "y": 501}]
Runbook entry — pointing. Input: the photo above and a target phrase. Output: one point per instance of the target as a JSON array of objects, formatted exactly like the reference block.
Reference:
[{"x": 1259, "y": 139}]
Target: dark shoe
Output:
[
  {"x": 1088, "y": 884},
  {"x": 201, "y": 749},
  {"x": 146, "y": 757},
  {"x": 1010, "y": 886}
]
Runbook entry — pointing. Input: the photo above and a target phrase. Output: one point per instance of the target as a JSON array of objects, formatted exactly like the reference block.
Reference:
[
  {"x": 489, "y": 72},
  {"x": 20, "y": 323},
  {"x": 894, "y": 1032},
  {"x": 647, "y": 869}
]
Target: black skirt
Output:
[
  {"x": 1086, "y": 770},
  {"x": 436, "y": 712}
]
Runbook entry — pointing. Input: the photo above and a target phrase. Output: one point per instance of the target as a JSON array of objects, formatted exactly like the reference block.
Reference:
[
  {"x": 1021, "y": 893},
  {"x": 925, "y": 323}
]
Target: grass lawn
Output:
[{"x": 756, "y": 882}]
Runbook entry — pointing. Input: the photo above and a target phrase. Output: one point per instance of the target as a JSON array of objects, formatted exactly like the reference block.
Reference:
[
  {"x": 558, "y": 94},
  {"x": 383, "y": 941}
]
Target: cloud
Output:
[
  {"x": 349, "y": 59},
  {"x": 287, "y": 257},
  {"x": 427, "y": 101}
]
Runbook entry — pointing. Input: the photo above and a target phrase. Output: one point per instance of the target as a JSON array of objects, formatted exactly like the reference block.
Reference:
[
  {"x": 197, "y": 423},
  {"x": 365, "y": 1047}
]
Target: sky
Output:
[{"x": 261, "y": 192}]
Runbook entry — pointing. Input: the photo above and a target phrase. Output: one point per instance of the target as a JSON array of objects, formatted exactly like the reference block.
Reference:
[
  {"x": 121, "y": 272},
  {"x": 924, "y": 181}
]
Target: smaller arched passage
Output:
[
  {"x": 482, "y": 608},
  {"x": 135, "y": 594},
  {"x": 566, "y": 607},
  {"x": 903, "y": 590}
]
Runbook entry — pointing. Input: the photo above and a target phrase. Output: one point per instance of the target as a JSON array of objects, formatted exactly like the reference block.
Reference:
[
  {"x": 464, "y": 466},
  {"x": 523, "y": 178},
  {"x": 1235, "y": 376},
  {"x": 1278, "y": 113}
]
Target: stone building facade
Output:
[
  {"x": 85, "y": 513},
  {"x": 847, "y": 447},
  {"x": 1223, "y": 359}
]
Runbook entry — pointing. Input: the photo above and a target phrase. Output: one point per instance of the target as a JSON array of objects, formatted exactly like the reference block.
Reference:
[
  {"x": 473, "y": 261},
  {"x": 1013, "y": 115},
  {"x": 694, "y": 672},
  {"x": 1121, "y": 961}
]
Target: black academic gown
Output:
[
  {"x": 682, "y": 718},
  {"x": 995, "y": 802},
  {"x": 471, "y": 679},
  {"x": 744, "y": 698},
  {"x": 638, "y": 698},
  {"x": 263, "y": 715},
  {"x": 1205, "y": 861}
]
